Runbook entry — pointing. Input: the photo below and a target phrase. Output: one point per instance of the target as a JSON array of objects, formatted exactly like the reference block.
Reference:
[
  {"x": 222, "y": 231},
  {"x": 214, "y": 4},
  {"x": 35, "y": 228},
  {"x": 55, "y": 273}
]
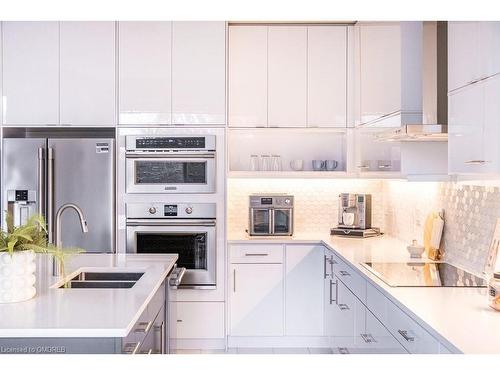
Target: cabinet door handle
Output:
[
  {"x": 368, "y": 338},
  {"x": 256, "y": 254},
  {"x": 363, "y": 166},
  {"x": 343, "y": 307},
  {"x": 162, "y": 338},
  {"x": 405, "y": 335},
  {"x": 234, "y": 280},
  {"x": 344, "y": 273},
  {"x": 331, "y": 287},
  {"x": 325, "y": 274}
]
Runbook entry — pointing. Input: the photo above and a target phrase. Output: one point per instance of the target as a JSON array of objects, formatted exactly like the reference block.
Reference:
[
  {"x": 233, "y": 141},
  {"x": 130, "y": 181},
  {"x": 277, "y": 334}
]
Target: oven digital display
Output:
[
  {"x": 266, "y": 200},
  {"x": 170, "y": 210}
]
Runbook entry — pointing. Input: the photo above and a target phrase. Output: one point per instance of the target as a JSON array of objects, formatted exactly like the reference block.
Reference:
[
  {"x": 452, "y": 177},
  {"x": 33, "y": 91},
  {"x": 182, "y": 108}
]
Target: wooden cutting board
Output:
[{"x": 433, "y": 230}]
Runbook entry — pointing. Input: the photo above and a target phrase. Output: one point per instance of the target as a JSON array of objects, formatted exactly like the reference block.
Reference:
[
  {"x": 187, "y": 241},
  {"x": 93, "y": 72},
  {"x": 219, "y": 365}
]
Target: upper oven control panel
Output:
[
  {"x": 171, "y": 143},
  {"x": 171, "y": 210}
]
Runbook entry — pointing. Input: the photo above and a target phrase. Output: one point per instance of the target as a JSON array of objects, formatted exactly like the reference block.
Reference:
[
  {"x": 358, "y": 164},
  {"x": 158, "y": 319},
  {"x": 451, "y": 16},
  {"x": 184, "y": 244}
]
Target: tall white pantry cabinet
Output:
[{"x": 473, "y": 97}]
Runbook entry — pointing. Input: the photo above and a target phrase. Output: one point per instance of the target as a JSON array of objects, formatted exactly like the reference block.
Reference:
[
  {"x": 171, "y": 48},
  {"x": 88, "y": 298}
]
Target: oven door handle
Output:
[
  {"x": 176, "y": 276},
  {"x": 169, "y": 155},
  {"x": 171, "y": 223}
]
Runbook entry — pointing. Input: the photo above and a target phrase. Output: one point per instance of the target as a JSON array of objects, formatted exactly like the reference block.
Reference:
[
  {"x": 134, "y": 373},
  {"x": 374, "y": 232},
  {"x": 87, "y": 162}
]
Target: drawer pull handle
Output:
[
  {"x": 143, "y": 327},
  {"x": 344, "y": 273},
  {"x": 179, "y": 320},
  {"x": 343, "y": 351},
  {"x": 368, "y": 338},
  {"x": 344, "y": 306},
  {"x": 131, "y": 347},
  {"x": 475, "y": 162},
  {"x": 256, "y": 254},
  {"x": 405, "y": 335}
]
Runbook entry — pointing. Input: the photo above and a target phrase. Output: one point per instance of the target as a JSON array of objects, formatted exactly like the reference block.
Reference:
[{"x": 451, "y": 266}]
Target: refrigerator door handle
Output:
[
  {"x": 41, "y": 181},
  {"x": 50, "y": 194}
]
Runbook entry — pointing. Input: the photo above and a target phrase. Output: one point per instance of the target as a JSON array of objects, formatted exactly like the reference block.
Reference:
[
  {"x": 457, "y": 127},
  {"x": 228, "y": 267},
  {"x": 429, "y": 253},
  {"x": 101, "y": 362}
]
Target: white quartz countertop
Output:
[
  {"x": 55, "y": 312},
  {"x": 459, "y": 317}
]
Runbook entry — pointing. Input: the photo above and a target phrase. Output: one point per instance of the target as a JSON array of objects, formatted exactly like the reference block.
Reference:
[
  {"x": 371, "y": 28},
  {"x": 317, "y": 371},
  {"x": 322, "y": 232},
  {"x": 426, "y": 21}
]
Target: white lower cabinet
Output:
[
  {"x": 413, "y": 337},
  {"x": 256, "y": 307},
  {"x": 306, "y": 295},
  {"x": 196, "y": 320},
  {"x": 304, "y": 290}
]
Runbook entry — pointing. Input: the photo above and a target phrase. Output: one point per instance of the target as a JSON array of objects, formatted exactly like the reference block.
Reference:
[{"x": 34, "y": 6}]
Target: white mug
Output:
[
  {"x": 348, "y": 218},
  {"x": 297, "y": 165}
]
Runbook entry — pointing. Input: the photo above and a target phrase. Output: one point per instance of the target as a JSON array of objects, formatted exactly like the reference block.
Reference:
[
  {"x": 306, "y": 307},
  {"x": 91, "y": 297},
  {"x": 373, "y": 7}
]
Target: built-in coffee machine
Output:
[{"x": 355, "y": 216}]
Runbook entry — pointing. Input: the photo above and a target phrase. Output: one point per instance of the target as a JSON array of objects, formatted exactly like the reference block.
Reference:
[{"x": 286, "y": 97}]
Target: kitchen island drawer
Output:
[
  {"x": 256, "y": 253},
  {"x": 352, "y": 279},
  {"x": 410, "y": 334}
]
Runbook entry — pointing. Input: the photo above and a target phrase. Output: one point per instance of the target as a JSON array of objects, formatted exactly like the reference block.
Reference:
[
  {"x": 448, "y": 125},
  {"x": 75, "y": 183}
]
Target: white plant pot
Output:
[{"x": 17, "y": 276}]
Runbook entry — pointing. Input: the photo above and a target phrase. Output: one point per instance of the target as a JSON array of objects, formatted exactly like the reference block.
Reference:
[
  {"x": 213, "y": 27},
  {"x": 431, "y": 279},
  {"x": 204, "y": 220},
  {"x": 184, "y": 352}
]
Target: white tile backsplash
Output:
[{"x": 316, "y": 201}]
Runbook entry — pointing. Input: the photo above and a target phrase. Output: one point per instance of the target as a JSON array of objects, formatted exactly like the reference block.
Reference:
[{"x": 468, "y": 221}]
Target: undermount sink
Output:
[
  {"x": 103, "y": 280},
  {"x": 108, "y": 276},
  {"x": 76, "y": 284}
]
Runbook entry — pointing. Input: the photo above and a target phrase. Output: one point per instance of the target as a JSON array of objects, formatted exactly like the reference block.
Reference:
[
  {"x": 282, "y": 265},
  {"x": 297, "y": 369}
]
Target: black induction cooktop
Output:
[{"x": 428, "y": 274}]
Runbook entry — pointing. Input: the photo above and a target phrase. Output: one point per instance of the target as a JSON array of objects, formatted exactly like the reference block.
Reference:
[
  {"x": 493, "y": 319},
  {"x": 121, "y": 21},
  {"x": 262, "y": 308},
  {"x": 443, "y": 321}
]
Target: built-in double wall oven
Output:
[
  {"x": 170, "y": 164},
  {"x": 186, "y": 229}
]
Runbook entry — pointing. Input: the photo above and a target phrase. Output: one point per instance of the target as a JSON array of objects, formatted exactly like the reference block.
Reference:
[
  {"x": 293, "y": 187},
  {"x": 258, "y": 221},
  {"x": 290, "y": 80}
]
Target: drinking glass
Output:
[
  {"x": 276, "y": 162},
  {"x": 254, "y": 162},
  {"x": 265, "y": 163}
]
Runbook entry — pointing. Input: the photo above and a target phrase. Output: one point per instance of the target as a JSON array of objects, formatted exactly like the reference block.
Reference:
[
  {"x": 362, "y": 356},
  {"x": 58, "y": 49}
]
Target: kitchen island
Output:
[{"x": 91, "y": 320}]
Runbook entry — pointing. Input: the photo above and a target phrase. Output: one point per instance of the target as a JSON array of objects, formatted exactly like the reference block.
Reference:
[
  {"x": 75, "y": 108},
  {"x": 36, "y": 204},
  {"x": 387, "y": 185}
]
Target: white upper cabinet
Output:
[
  {"x": 473, "y": 52},
  {"x": 389, "y": 87},
  {"x": 145, "y": 72},
  {"x": 326, "y": 76},
  {"x": 87, "y": 75},
  {"x": 287, "y": 76},
  {"x": 30, "y": 73},
  {"x": 198, "y": 72},
  {"x": 248, "y": 76},
  {"x": 474, "y": 128}
]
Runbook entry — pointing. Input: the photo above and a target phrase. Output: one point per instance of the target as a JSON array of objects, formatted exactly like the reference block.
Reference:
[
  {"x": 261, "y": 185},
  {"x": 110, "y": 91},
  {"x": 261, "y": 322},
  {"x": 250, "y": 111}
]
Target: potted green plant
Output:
[{"x": 18, "y": 246}]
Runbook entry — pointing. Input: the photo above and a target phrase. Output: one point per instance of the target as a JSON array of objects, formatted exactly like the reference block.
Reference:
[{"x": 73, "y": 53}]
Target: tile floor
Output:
[{"x": 257, "y": 351}]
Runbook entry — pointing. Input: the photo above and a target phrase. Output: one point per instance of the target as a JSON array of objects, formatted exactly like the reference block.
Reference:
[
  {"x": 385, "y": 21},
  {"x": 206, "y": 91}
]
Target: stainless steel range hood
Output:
[{"x": 434, "y": 126}]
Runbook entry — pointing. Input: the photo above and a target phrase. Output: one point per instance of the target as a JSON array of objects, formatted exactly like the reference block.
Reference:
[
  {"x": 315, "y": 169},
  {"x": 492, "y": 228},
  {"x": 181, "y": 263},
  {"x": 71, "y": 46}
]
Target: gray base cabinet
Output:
[{"x": 148, "y": 336}]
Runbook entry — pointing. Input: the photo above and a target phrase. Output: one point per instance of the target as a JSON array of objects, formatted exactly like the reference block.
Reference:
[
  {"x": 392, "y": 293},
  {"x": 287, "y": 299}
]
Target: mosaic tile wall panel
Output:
[{"x": 470, "y": 217}]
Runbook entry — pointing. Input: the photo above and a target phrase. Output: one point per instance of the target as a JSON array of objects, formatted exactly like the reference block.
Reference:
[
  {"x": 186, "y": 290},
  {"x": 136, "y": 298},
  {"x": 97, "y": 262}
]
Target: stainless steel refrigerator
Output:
[{"x": 42, "y": 174}]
